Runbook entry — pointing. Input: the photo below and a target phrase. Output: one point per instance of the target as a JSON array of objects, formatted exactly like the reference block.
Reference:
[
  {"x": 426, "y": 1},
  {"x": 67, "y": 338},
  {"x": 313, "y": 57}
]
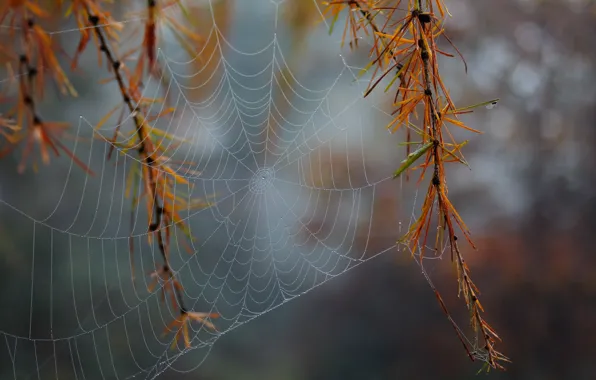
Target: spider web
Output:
[{"x": 295, "y": 191}]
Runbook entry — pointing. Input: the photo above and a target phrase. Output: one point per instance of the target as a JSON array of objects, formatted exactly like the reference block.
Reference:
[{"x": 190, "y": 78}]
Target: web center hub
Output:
[{"x": 261, "y": 180}]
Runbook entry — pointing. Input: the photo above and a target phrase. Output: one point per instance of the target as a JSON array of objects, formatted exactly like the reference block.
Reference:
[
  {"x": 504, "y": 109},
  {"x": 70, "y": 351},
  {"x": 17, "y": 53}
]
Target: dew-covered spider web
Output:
[{"x": 297, "y": 165}]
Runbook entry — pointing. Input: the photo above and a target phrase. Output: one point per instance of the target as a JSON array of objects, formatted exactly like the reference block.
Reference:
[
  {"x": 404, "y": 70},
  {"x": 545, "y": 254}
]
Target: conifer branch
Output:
[
  {"x": 36, "y": 57},
  {"x": 411, "y": 46},
  {"x": 155, "y": 168},
  {"x": 147, "y": 156}
]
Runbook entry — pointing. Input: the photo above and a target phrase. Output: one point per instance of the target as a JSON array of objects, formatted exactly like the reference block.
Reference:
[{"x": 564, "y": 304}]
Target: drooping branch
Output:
[
  {"x": 411, "y": 47},
  {"x": 36, "y": 58},
  {"x": 144, "y": 150}
]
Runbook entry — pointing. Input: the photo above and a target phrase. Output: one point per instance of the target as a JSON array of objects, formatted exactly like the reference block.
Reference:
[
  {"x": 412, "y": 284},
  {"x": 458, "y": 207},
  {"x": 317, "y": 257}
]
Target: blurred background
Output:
[{"x": 316, "y": 234}]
